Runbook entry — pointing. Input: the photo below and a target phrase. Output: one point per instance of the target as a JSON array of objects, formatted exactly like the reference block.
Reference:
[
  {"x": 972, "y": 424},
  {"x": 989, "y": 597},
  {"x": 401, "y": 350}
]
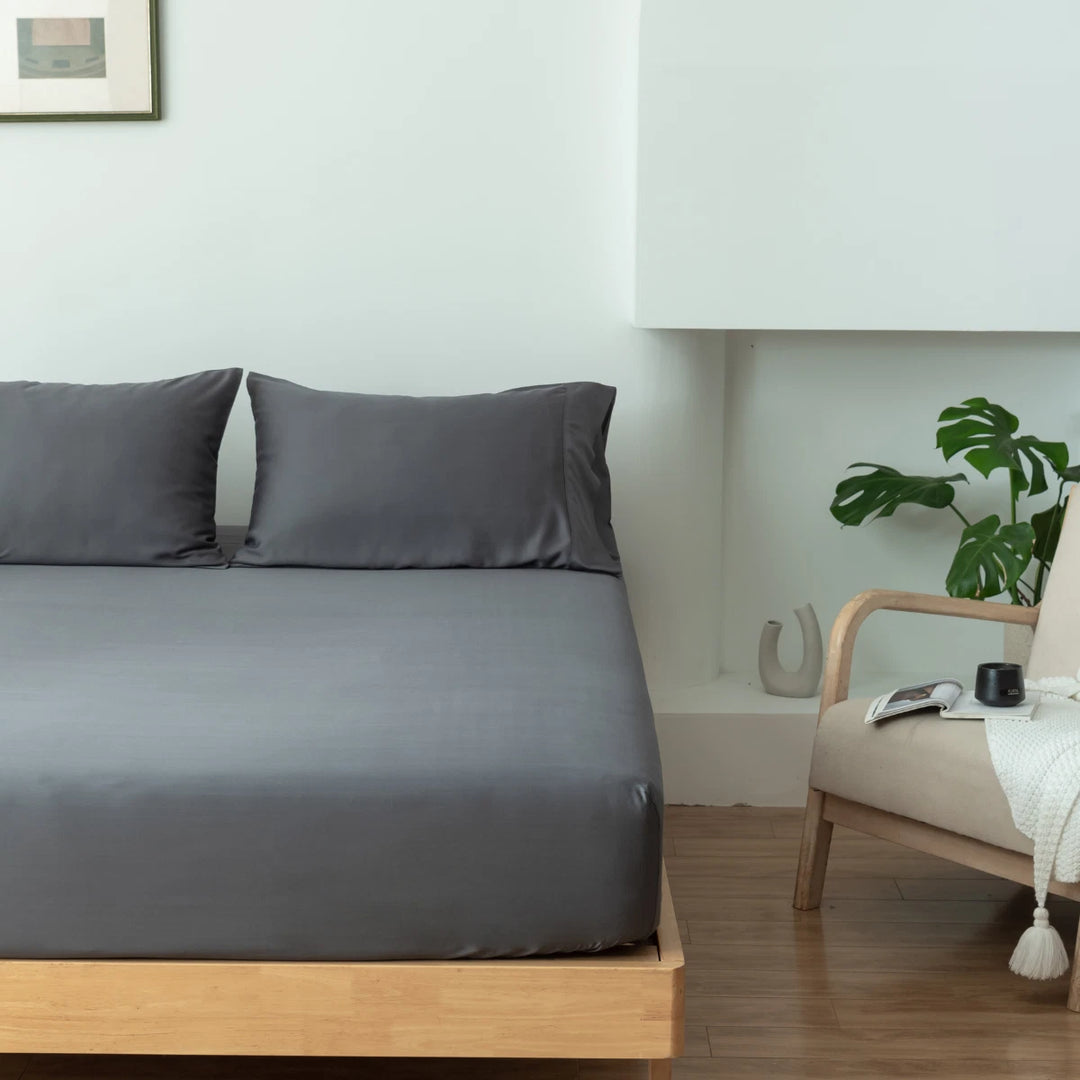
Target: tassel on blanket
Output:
[
  {"x": 1038, "y": 765},
  {"x": 1040, "y": 952}
]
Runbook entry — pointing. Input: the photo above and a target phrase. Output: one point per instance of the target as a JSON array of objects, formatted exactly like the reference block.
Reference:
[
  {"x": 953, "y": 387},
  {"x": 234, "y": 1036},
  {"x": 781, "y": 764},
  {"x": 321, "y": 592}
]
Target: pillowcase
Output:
[
  {"x": 381, "y": 482},
  {"x": 122, "y": 475}
]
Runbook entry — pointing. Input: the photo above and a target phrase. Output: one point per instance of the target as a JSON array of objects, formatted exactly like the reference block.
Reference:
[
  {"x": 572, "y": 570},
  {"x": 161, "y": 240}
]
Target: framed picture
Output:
[{"x": 79, "y": 60}]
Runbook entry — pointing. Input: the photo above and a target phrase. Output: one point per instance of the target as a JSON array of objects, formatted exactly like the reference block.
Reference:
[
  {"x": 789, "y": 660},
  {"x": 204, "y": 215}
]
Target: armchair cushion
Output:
[{"x": 920, "y": 766}]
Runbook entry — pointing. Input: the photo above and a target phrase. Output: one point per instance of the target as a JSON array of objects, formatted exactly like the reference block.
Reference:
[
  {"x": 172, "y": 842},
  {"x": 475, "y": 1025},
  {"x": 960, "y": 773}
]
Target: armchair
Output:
[{"x": 921, "y": 781}]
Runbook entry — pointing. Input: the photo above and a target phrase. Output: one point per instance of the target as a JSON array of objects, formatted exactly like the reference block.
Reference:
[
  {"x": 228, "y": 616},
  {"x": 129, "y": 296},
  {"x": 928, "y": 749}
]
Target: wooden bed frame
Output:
[{"x": 625, "y": 1003}]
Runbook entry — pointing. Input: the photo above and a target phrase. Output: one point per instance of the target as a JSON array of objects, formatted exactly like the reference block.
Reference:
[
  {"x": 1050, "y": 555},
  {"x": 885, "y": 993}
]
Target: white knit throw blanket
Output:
[{"x": 1037, "y": 762}]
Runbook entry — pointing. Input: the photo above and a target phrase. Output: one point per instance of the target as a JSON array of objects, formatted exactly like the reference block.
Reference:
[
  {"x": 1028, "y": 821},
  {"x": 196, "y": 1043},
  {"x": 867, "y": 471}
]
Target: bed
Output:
[
  {"x": 385, "y": 783},
  {"x": 282, "y": 777}
]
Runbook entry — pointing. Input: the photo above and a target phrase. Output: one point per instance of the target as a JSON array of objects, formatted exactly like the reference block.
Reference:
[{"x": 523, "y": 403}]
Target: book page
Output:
[{"x": 938, "y": 694}]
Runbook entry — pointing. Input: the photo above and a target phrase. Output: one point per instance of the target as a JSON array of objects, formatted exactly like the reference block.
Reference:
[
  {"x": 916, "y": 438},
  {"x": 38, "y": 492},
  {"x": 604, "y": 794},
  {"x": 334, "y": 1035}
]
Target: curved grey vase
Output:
[{"x": 775, "y": 679}]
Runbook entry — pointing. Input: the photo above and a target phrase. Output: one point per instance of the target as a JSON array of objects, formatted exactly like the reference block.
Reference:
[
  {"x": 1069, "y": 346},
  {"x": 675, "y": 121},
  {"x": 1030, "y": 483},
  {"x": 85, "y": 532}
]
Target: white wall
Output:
[
  {"x": 803, "y": 406},
  {"x": 845, "y": 164},
  {"x": 413, "y": 197}
]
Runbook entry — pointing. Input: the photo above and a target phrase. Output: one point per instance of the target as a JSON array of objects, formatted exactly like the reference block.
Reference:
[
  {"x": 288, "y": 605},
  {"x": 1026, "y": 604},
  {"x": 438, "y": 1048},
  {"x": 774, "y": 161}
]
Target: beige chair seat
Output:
[{"x": 919, "y": 766}]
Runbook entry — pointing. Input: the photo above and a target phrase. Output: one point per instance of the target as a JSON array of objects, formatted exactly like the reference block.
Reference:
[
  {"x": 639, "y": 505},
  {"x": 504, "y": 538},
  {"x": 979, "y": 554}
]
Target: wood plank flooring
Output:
[{"x": 903, "y": 973}]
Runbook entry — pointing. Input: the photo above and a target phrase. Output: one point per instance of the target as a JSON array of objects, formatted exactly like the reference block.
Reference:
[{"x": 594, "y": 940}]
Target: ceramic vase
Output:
[{"x": 774, "y": 677}]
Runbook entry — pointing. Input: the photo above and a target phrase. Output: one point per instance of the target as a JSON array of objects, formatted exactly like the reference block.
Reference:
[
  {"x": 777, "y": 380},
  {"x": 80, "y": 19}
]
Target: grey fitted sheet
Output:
[{"x": 322, "y": 764}]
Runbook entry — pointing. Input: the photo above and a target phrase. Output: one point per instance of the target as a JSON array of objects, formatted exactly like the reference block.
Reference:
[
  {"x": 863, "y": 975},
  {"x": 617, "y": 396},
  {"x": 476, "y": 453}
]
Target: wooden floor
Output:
[{"x": 903, "y": 973}]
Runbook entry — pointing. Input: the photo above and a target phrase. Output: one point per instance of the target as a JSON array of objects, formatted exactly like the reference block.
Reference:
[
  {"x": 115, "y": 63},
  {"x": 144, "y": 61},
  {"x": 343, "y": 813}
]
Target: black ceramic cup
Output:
[{"x": 999, "y": 685}]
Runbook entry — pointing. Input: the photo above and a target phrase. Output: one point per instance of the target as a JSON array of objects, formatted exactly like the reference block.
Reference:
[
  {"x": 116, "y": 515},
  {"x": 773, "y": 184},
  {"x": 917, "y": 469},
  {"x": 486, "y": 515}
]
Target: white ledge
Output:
[{"x": 741, "y": 693}]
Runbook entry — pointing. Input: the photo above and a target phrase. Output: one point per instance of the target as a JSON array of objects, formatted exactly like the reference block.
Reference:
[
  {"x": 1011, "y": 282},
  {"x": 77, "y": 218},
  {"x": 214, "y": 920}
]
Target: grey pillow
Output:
[
  {"x": 380, "y": 482},
  {"x": 122, "y": 475}
]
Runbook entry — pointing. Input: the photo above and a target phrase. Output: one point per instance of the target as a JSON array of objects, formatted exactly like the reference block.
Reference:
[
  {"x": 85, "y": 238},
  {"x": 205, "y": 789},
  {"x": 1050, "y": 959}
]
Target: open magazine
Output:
[{"x": 950, "y": 697}]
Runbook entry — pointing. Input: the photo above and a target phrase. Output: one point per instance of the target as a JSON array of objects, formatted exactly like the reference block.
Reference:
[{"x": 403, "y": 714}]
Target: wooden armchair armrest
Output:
[{"x": 854, "y": 613}]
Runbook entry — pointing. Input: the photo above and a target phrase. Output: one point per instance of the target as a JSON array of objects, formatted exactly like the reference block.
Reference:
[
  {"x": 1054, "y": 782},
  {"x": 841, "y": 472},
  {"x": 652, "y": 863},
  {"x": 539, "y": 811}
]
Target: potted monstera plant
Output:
[{"x": 997, "y": 555}]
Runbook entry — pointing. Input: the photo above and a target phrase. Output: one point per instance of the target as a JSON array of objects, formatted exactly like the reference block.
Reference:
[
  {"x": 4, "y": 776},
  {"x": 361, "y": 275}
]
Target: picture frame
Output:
[{"x": 64, "y": 60}]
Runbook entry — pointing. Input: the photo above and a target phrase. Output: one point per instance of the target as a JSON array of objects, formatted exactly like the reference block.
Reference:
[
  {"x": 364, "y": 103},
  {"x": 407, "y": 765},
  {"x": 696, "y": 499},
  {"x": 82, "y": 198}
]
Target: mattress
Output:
[{"x": 322, "y": 764}]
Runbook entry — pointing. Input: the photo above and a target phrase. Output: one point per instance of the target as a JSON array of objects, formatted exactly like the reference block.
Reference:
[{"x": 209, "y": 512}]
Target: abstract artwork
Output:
[
  {"x": 61, "y": 48},
  {"x": 78, "y": 60}
]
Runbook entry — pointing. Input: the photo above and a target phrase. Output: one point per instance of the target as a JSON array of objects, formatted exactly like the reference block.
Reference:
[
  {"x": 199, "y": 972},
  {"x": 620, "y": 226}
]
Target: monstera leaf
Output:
[
  {"x": 1047, "y": 523},
  {"x": 1047, "y": 526},
  {"x": 990, "y": 559},
  {"x": 986, "y": 435},
  {"x": 878, "y": 493}
]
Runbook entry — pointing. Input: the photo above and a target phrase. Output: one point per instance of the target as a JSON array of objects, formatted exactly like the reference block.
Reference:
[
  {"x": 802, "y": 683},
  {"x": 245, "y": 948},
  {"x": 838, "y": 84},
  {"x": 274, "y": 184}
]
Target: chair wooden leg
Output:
[
  {"x": 660, "y": 1069},
  {"x": 1074, "y": 979},
  {"x": 814, "y": 854}
]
